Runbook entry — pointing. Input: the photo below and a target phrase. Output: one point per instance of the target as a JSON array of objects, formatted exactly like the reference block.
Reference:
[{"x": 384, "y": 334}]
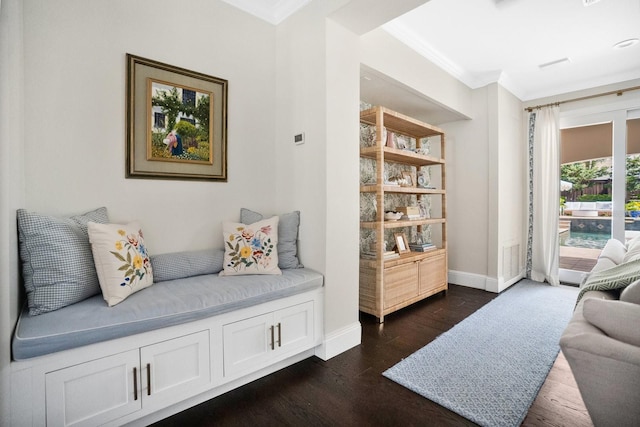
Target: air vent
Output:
[{"x": 556, "y": 62}]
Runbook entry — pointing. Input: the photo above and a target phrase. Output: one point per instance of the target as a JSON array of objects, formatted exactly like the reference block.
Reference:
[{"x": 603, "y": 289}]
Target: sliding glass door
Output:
[{"x": 600, "y": 182}]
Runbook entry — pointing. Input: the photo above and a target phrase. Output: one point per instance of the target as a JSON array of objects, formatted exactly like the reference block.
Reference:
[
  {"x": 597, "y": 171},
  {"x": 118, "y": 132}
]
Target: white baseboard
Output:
[
  {"x": 340, "y": 341},
  {"x": 469, "y": 280},
  {"x": 479, "y": 281}
]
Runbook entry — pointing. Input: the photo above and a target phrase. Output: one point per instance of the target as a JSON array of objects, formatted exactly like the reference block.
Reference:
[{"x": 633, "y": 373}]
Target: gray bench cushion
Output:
[{"x": 161, "y": 305}]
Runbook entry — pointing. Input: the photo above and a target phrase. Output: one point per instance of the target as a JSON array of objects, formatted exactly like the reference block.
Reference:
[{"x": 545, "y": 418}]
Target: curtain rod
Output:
[{"x": 618, "y": 92}]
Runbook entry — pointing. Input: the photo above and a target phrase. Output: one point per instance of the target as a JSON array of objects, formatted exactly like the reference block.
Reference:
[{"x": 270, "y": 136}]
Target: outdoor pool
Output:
[{"x": 577, "y": 239}]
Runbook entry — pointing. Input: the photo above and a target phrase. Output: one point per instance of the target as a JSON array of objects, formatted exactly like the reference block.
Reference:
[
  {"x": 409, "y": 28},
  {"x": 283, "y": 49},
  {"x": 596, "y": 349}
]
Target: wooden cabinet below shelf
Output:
[
  {"x": 433, "y": 274},
  {"x": 405, "y": 280}
]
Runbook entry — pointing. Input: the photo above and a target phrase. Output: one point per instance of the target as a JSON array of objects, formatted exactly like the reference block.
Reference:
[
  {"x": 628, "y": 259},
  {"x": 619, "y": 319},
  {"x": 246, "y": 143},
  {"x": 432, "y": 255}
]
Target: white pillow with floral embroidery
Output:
[
  {"x": 121, "y": 260},
  {"x": 250, "y": 249}
]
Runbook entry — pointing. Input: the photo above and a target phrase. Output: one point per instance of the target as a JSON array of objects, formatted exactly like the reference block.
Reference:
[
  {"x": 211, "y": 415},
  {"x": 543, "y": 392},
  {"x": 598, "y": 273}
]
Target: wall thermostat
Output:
[{"x": 298, "y": 138}]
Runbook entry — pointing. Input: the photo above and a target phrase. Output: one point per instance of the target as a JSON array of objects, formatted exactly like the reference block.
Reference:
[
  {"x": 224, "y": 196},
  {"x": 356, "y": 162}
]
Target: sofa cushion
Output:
[
  {"x": 165, "y": 304},
  {"x": 617, "y": 319},
  {"x": 287, "y": 235},
  {"x": 250, "y": 249},
  {"x": 178, "y": 265},
  {"x": 121, "y": 259},
  {"x": 631, "y": 293},
  {"x": 57, "y": 263},
  {"x": 614, "y": 250},
  {"x": 603, "y": 263},
  {"x": 633, "y": 250}
]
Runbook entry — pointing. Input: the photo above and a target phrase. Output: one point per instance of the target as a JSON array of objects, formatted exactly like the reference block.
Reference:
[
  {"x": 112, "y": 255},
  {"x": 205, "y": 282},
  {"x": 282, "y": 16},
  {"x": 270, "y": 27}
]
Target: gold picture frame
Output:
[{"x": 176, "y": 122}]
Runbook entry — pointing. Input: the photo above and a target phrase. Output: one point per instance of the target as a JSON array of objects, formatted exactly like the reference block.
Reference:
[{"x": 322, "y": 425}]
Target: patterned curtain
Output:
[{"x": 544, "y": 195}]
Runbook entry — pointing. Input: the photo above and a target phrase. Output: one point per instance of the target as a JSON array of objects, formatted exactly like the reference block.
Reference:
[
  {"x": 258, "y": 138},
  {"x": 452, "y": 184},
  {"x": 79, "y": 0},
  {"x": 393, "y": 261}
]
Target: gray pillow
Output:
[
  {"x": 617, "y": 319},
  {"x": 287, "y": 235},
  {"x": 57, "y": 263},
  {"x": 631, "y": 293},
  {"x": 178, "y": 265}
]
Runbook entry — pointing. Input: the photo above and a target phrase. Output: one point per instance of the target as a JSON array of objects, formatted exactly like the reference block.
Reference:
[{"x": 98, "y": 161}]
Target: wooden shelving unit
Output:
[{"x": 391, "y": 284}]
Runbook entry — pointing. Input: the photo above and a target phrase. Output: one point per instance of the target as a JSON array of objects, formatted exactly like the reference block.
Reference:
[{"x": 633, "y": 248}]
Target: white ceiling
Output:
[{"x": 485, "y": 41}]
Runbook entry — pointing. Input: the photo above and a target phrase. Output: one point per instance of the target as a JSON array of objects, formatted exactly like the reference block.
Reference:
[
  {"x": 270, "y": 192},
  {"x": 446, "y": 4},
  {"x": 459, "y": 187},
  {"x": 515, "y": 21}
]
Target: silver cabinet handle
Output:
[
  {"x": 273, "y": 344},
  {"x": 279, "y": 335}
]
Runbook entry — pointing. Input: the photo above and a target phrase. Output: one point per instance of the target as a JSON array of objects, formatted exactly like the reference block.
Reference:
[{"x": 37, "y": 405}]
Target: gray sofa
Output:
[{"x": 602, "y": 340}]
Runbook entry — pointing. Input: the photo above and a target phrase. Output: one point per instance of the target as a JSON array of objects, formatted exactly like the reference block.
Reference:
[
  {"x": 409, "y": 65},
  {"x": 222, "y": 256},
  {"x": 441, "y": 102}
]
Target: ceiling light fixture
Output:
[{"x": 625, "y": 43}]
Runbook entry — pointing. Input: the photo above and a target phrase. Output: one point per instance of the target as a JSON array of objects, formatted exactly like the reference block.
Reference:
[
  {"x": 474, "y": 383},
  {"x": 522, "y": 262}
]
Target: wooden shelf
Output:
[
  {"x": 398, "y": 155},
  {"x": 403, "y": 258},
  {"x": 399, "y": 190},
  {"x": 402, "y": 223},
  {"x": 399, "y": 123}
]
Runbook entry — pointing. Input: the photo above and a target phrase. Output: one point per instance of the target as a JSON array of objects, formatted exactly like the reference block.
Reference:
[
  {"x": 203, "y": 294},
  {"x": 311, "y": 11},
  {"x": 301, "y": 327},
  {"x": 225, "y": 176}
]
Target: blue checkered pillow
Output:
[
  {"x": 57, "y": 263},
  {"x": 287, "y": 235},
  {"x": 179, "y": 265}
]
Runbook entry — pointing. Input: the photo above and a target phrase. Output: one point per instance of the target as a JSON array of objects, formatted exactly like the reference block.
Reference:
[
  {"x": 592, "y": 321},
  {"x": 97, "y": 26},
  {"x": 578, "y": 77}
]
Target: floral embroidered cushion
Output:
[
  {"x": 121, "y": 260},
  {"x": 288, "y": 225},
  {"x": 251, "y": 249}
]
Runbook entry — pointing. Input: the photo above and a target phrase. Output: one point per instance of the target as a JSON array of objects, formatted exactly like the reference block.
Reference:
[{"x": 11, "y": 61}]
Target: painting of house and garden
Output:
[{"x": 180, "y": 124}]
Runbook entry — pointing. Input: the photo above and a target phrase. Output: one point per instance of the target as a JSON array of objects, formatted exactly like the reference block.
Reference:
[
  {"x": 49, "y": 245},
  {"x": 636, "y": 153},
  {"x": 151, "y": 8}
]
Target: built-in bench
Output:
[
  {"x": 195, "y": 332},
  {"x": 164, "y": 304}
]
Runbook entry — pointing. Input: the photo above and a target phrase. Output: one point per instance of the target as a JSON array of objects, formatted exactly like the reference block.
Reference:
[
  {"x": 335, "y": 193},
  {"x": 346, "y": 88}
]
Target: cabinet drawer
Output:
[
  {"x": 400, "y": 284},
  {"x": 433, "y": 273}
]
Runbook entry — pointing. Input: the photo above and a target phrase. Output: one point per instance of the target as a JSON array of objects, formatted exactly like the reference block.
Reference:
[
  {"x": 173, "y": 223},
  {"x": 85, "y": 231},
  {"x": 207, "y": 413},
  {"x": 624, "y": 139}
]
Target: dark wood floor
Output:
[{"x": 349, "y": 390}]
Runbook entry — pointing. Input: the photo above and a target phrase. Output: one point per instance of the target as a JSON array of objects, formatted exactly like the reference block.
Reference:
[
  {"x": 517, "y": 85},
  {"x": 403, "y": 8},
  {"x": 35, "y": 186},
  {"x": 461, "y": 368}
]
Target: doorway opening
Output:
[{"x": 600, "y": 192}]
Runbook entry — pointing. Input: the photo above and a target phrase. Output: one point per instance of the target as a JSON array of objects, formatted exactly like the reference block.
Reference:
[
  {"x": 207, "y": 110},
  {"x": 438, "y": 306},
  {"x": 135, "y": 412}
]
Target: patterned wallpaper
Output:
[{"x": 392, "y": 172}]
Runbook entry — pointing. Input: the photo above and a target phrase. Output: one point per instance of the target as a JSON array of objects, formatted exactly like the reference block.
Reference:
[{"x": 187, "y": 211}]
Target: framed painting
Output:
[{"x": 176, "y": 122}]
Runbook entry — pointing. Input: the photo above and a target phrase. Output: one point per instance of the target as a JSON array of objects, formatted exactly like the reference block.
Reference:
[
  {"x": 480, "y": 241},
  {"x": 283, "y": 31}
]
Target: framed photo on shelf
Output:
[
  {"x": 176, "y": 122},
  {"x": 402, "y": 244},
  {"x": 408, "y": 178}
]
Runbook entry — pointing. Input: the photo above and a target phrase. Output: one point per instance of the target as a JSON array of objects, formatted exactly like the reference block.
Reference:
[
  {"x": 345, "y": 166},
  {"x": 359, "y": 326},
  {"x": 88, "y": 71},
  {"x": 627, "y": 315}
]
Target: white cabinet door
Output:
[
  {"x": 247, "y": 344},
  {"x": 294, "y": 327},
  {"x": 174, "y": 370},
  {"x": 94, "y": 392},
  {"x": 254, "y": 343},
  {"x": 148, "y": 378}
]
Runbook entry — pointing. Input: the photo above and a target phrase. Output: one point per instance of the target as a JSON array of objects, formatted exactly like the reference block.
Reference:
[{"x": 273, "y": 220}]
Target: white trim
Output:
[
  {"x": 469, "y": 280},
  {"x": 340, "y": 341},
  {"x": 478, "y": 281}
]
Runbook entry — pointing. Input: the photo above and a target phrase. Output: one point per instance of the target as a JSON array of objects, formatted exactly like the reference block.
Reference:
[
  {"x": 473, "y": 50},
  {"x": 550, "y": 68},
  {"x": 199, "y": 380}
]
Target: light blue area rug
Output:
[{"x": 489, "y": 367}]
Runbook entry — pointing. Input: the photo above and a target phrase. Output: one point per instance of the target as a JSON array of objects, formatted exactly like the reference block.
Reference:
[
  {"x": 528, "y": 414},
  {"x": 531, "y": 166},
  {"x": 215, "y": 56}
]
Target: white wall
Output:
[
  {"x": 70, "y": 156},
  {"x": 468, "y": 194},
  {"x": 486, "y": 188},
  {"x": 511, "y": 207},
  {"x": 343, "y": 200},
  {"x": 384, "y": 53},
  {"x": 317, "y": 93},
  {"x": 75, "y": 109},
  {"x": 11, "y": 183}
]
